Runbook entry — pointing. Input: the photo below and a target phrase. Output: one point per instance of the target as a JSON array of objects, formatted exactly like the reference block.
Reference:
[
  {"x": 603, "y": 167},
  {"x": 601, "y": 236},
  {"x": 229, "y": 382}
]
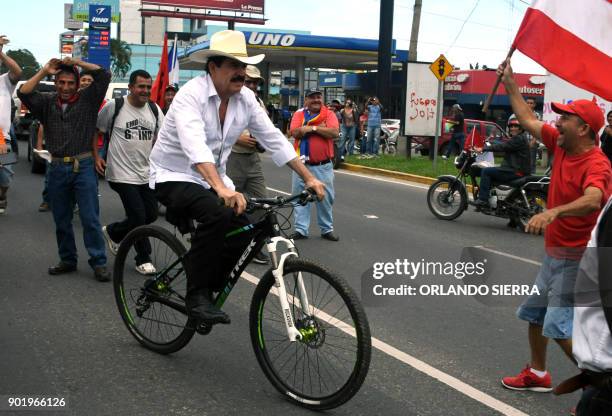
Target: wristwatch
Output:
[{"x": 314, "y": 128}]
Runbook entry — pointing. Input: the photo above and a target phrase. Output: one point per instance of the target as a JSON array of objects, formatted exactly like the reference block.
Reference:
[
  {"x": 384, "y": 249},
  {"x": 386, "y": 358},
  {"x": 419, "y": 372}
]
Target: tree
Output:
[
  {"x": 26, "y": 61},
  {"x": 120, "y": 56}
]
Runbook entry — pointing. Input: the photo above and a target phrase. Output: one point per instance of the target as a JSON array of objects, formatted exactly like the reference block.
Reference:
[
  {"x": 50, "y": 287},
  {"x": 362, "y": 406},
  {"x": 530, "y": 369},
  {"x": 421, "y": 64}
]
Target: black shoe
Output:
[
  {"x": 102, "y": 274},
  {"x": 330, "y": 236},
  {"x": 200, "y": 306},
  {"x": 62, "y": 268},
  {"x": 480, "y": 204},
  {"x": 261, "y": 258},
  {"x": 298, "y": 236}
]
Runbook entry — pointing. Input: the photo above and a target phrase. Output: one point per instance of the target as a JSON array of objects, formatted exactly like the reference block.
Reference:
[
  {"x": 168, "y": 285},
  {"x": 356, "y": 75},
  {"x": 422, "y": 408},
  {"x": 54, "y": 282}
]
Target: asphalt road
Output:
[{"x": 62, "y": 336}]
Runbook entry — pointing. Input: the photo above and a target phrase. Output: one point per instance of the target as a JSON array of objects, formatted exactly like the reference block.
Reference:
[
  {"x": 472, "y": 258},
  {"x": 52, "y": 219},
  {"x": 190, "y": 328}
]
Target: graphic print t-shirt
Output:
[{"x": 131, "y": 141}]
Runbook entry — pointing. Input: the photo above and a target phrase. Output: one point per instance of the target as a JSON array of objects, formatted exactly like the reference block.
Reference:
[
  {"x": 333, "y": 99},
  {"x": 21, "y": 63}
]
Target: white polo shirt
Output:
[
  {"x": 192, "y": 133},
  {"x": 591, "y": 338}
]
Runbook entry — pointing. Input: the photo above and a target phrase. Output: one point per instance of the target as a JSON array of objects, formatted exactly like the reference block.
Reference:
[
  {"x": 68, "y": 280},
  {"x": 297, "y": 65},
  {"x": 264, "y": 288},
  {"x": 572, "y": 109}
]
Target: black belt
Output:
[{"x": 325, "y": 162}]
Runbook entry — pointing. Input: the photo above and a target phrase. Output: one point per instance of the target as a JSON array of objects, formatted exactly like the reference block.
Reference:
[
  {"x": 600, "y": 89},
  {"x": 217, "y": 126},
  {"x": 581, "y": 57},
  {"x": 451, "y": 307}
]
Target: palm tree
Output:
[{"x": 121, "y": 54}]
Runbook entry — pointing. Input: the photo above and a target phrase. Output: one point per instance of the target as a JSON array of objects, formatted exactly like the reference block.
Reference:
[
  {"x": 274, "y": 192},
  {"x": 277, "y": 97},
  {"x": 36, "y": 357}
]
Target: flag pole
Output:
[{"x": 485, "y": 107}]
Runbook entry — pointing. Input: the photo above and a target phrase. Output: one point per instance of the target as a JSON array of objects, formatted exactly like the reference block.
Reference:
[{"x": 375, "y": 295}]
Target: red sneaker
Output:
[{"x": 526, "y": 380}]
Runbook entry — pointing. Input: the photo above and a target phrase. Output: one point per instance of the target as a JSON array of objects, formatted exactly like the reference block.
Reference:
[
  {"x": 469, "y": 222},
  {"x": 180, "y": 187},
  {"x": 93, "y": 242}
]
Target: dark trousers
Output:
[
  {"x": 488, "y": 175},
  {"x": 595, "y": 402},
  {"x": 457, "y": 141},
  {"x": 140, "y": 207},
  {"x": 212, "y": 255}
]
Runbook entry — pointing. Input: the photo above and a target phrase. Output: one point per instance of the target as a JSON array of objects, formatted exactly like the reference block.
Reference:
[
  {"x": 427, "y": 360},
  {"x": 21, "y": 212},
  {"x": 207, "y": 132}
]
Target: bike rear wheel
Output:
[
  {"x": 329, "y": 364},
  {"x": 446, "y": 199},
  {"x": 153, "y": 306}
]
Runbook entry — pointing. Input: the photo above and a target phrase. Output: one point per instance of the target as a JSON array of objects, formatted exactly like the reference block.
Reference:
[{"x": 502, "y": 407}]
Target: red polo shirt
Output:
[
  {"x": 571, "y": 176},
  {"x": 320, "y": 148}
]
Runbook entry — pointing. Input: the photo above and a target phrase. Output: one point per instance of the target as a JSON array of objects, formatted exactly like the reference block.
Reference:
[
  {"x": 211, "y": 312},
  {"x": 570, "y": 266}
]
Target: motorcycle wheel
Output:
[
  {"x": 445, "y": 201},
  {"x": 537, "y": 205}
]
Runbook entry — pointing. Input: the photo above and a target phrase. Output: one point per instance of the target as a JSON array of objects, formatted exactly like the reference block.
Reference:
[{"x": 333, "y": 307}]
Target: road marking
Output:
[
  {"x": 377, "y": 178},
  {"x": 278, "y": 190},
  {"x": 511, "y": 256},
  {"x": 370, "y": 216},
  {"x": 417, "y": 364}
]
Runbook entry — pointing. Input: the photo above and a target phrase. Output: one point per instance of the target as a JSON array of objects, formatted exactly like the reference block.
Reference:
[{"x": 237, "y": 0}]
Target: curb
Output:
[{"x": 388, "y": 173}]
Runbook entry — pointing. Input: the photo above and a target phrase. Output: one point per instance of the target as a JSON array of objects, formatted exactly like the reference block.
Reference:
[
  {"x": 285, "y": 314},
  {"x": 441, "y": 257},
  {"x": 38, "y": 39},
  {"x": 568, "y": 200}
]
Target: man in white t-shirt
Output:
[
  {"x": 132, "y": 124},
  {"x": 8, "y": 81}
]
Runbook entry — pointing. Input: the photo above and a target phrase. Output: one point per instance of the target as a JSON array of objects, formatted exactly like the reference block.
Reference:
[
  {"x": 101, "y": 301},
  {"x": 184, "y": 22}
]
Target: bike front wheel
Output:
[
  {"x": 153, "y": 306},
  {"x": 446, "y": 199},
  {"x": 328, "y": 365}
]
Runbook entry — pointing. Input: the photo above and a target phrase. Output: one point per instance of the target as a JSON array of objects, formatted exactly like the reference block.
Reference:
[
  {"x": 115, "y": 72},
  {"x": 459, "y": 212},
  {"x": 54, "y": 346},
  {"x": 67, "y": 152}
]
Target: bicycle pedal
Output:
[{"x": 203, "y": 328}]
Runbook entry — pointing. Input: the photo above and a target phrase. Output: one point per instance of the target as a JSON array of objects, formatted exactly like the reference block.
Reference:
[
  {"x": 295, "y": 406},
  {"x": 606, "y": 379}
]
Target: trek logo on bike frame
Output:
[{"x": 242, "y": 258}]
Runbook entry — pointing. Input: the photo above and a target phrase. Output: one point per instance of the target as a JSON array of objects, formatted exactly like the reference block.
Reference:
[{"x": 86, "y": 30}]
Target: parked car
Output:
[
  {"x": 23, "y": 118},
  {"x": 487, "y": 129},
  {"x": 116, "y": 90}
]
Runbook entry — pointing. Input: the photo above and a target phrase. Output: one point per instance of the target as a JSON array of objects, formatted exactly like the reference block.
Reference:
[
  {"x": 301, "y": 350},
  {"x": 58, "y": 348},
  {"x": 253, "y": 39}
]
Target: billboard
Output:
[
  {"x": 69, "y": 22},
  {"x": 421, "y": 101},
  {"x": 80, "y": 9},
  {"x": 242, "y": 6},
  {"x": 561, "y": 91}
]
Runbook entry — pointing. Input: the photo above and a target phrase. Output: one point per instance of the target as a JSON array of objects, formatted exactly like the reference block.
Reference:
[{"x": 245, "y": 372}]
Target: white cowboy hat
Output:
[
  {"x": 253, "y": 72},
  {"x": 228, "y": 43}
]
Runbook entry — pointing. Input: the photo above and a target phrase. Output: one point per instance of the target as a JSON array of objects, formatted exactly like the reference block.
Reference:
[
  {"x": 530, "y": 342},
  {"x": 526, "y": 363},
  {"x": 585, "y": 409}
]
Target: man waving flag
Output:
[{"x": 571, "y": 39}]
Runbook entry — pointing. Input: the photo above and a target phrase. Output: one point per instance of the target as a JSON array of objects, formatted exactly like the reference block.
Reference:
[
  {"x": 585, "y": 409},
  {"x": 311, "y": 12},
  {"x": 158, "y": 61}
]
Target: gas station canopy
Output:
[{"x": 283, "y": 49}]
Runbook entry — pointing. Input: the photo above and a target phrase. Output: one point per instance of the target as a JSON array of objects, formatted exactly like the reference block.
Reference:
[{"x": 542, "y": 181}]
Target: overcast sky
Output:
[{"x": 465, "y": 31}]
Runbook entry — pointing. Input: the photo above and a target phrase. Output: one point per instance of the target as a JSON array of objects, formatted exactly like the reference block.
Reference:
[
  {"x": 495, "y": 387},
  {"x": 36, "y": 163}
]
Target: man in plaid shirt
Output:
[{"x": 69, "y": 119}]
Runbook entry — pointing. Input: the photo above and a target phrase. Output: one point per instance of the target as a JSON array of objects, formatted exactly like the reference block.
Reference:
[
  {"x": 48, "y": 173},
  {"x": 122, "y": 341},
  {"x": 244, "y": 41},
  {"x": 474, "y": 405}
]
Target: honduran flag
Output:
[
  {"x": 571, "y": 39},
  {"x": 173, "y": 64}
]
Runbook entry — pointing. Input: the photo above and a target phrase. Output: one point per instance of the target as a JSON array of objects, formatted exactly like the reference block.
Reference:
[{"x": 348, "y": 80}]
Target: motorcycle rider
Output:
[{"x": 515, "y": 165}]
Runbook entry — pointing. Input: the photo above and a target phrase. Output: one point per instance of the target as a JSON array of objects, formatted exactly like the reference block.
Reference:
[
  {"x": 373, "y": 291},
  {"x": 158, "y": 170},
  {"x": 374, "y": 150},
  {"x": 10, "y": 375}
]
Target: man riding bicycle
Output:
[{"x": 189, "y": 159}]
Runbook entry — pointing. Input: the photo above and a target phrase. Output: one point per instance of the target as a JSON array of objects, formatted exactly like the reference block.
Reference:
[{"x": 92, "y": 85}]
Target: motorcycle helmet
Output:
[{"x": 513, "y": 121}]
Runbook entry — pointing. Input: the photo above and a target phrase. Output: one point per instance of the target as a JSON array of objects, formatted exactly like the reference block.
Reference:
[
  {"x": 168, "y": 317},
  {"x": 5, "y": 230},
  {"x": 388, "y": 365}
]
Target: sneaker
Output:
[
  {"x": 44, "y": 207},
  {"x": 112, "y": 246},
  {"x": 298, "y": 236},
  {"x": 3, "y": 204},
  {"x": 527, "y": 380},
  {"x": 146, "y": 269},
  {"x": 261, "y": 258}
]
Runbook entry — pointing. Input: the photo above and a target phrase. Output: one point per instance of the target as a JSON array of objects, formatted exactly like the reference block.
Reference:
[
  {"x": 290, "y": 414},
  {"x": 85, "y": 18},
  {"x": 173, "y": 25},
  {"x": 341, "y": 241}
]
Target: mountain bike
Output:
[{"x": 308, "y": 329}]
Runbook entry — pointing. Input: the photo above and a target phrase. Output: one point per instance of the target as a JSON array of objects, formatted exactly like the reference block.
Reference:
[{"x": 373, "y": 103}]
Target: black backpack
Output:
[{"x": 118, "y": 105}]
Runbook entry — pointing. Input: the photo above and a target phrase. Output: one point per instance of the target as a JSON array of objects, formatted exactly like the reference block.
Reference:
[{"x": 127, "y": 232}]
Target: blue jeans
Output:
[
  {"x": 364, "y": 144},
  {"x": 348, "y": 139},
  {"x": 373, "y": 137},
  {"x": 64, "y": 187},
  {"x": 553, "y": 308},
  {"x": 6, "y": 173},
  {"x": 45, "y": 192},
  {"x": 488, "y": 175},
  {"x": 324, "y": 173}
]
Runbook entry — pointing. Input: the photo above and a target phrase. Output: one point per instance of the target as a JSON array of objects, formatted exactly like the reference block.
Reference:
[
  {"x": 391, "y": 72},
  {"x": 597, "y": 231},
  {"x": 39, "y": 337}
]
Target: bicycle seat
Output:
[{"x": 180, "y": 220}]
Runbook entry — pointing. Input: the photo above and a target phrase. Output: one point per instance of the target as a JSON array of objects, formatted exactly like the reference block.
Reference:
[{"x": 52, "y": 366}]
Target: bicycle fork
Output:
[{"x": 279, "y": 283}]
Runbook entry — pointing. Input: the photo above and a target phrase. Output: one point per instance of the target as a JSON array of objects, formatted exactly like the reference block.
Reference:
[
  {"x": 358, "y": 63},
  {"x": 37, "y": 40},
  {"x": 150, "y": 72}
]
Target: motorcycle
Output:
[
  {"x": 388, "y": 139},
  {"x": 519, "y": 200}
]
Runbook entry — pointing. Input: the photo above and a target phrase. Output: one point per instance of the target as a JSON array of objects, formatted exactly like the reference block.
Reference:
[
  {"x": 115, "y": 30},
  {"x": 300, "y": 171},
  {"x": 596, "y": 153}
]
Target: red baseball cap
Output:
[{"x": 587, "y": 110}]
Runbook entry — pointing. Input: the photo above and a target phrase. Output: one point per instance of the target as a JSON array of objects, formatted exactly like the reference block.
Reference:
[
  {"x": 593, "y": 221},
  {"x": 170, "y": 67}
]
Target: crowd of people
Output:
[{"x": 204, "y": 146}]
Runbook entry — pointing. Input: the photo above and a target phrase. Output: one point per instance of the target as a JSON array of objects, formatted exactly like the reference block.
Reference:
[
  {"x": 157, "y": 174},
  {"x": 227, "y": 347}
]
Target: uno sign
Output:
[
  {"x": 481, "y": 82},
  {"x": 271, "y": 39}
]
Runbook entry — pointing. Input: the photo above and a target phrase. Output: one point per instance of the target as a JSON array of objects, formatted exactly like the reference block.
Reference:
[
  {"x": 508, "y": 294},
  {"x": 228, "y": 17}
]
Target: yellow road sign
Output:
[{"x": 441, "y": 67}]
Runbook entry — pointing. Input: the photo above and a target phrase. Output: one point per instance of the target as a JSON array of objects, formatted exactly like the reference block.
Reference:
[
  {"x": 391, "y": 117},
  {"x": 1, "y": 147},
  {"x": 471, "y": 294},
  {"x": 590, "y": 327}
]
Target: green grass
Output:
[{"x": 418, "y": 165}]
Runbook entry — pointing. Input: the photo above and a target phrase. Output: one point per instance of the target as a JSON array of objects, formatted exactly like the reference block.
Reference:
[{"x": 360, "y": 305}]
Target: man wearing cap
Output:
[
  {"x": 579, "y": 187},
  {"x": 314, "y": 128},
  {"x": 188, "y": 164},
  {"x": 243, "y": 164},
  {"x": 458, "y": 137},
  {"x": 169, "y": 96},
  {"x": 69, "y": 120}
]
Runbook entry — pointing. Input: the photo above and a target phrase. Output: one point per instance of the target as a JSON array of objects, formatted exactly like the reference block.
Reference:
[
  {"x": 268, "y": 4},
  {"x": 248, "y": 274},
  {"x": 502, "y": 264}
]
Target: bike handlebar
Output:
[{"x": 302, "y": 198}]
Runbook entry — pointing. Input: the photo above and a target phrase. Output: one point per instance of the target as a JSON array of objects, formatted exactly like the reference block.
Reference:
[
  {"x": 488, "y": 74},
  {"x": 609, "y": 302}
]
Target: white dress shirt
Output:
[
  {"x": 192, "y": 133},
  {"x": 591, "y": 338}
]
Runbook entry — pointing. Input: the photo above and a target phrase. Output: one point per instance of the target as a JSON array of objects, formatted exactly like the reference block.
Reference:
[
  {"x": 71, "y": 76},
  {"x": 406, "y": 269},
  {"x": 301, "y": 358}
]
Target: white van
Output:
[{"x": 116, "y": 90}]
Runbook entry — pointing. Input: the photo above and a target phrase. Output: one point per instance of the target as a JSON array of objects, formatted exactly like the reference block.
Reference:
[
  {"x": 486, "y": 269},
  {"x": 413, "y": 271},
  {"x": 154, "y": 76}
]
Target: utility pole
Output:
[
  {"x": 414, "y": 34},
  {"x": 385, "y": 43}
]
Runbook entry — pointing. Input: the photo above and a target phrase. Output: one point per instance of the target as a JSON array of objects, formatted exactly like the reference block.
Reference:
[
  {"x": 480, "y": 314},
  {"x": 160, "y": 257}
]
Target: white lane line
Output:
[
  {"x": 511, "y": 256},
  {"x": 278, "y": 190},
  {"x": 417, "y": 364},
  {"x": 378, "y": 178}
]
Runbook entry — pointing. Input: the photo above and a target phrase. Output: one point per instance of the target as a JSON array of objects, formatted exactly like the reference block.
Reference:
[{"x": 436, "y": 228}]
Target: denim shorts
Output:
[{"x": 553, "y": 307}]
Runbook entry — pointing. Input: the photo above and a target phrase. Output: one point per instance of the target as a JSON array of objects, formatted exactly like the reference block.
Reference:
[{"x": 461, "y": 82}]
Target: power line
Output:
[{"x": 463, "y": 25}]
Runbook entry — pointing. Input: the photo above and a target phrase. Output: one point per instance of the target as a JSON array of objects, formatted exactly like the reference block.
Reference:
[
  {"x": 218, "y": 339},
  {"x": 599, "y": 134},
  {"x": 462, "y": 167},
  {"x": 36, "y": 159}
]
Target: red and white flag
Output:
[
  {"x": 571, "y": 39},
  {"x": 161, "y": 80}
]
